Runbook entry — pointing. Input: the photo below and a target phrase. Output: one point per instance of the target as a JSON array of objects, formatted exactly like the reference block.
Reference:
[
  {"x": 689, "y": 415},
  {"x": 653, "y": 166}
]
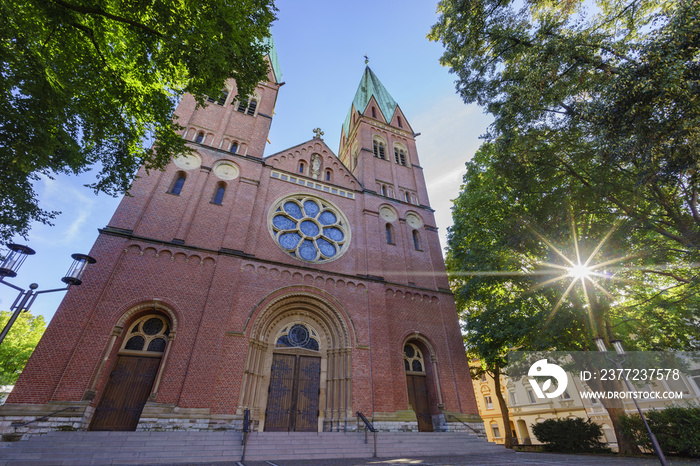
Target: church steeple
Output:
[{"x": 378, "y": 144}]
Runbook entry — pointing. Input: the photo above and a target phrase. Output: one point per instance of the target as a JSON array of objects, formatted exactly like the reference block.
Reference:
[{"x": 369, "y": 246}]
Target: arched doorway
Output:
[
  {"x": 298, "y": 368},
  {"x": 417, "y": 384},
  {"x": 134, "y": 373},
  {"x": 295, "y": 380}
]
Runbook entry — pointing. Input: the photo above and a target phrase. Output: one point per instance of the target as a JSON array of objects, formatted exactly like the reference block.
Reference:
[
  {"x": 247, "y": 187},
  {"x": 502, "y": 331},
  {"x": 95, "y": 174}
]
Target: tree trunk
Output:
[
  {"x": 616, "y": 408},
  {"x": 503, "y": 406}
]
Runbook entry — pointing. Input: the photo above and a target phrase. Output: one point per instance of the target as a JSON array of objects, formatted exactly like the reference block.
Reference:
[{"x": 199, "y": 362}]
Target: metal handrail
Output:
[
  {"x": 369, "y": 428},
  {"x": 44, "y": 418},
  {"x": 368, "y": 424},
  {"x": 246, "y": 431},
  {"x": 464, "y": 423}
]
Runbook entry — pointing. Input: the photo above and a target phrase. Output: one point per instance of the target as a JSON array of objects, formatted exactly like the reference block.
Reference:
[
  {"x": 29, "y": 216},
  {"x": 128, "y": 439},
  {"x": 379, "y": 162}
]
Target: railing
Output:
[
  {"x": 465, "y": 424},
  {"x": 368, "y": 428},
  {"x": 246, "y": 431},
  {"x": 43, "y": 418}
]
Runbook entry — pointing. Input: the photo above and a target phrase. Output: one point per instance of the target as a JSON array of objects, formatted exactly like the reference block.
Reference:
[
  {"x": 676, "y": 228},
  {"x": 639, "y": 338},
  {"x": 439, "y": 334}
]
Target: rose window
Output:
[{"x": 309, "y": 228}]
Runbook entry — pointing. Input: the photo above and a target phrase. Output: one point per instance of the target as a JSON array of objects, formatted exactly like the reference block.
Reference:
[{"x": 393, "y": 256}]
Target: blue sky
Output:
[{"x": 321, "y": 46}]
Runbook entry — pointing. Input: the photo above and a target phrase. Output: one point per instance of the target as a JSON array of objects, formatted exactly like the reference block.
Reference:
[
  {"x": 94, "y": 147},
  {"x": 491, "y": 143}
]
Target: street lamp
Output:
[
  {"x": 600, "y": 343},
  {"x": 13, "y": 261}
]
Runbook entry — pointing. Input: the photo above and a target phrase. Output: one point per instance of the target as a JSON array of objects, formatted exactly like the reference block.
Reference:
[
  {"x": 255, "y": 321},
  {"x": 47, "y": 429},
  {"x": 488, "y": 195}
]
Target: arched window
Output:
[
  {"x": 222, "y": 98},
  {"x": 149, "y": 334},
  {"x": 234, "y": 147},
  {"x": 200, "y": 137},
  {"x": 384, "y": 191},
  {"x": 408, "y": 196},
  {"x": 178, "y": 184},
  {"x": 400, "y": 156},
  {"x": 413, "y": 359},
  {"x": 416, "y": 240},
  {"x": 298, "y": 336},
  {"x": 398, "y": 119},
  {"x": 248, "y": 106},
  {"x": 374, "y": 113},
  {"x": 389, "y": 234},
  {"x": 328, "y": 174},
  {"x": 302, "y": 167},
  {"x": 252, "y": 106},
  {"x": 219, "y": 193},
  {"x": 378, "y": 148}
]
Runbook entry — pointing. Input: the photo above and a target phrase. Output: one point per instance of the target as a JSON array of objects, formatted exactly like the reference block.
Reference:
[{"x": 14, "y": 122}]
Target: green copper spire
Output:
[
  {"x": 273, "y": 59},
  {"x": 371, "y": 86}
]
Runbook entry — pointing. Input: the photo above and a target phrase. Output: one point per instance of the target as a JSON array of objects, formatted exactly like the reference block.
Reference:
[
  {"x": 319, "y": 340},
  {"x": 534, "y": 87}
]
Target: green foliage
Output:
[
  {"x": 87, "y": 83},
  {"x": 676, "y": 428},
  {"x": 18, "y": 344},
  {"x": 570, "y": 435}
]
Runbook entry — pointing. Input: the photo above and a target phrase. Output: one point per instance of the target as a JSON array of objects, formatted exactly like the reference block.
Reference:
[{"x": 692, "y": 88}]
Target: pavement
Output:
[{"x": 505, "y": 458}]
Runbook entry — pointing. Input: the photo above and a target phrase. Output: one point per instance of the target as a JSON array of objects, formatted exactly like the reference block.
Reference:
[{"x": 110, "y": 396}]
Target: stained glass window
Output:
[
  {"x": 309, "y": 228},
  {"x": 148, "y": 334},
  {"x": 298, "y": 336},
  {"x": 413, "y": 359}
]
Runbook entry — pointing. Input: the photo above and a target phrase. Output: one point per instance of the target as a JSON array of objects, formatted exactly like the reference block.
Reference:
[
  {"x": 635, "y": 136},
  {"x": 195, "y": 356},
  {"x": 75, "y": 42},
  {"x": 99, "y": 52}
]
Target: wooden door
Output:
[
  {"x": 418, "y": 397},
  {"x": 293, "y": 394},
  {"x": 126, "y": 393}
]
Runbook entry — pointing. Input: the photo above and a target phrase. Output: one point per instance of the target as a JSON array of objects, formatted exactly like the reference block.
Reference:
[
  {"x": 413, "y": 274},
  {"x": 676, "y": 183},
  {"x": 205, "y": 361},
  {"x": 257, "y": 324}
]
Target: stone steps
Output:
[{"x": 100, "y": 448}]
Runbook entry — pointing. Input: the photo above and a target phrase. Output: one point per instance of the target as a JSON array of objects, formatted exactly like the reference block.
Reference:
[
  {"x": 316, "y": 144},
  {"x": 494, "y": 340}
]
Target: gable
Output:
[{"x": 310, "y": 161}]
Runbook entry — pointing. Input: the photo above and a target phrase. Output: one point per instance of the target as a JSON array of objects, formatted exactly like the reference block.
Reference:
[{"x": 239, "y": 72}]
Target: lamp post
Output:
[
  {"x": 600, "y": 343},
  {"x": 14, "y": 260}
]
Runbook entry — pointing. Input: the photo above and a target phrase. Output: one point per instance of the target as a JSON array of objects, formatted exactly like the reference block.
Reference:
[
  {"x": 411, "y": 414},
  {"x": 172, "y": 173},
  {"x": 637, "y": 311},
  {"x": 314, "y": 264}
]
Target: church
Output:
[{"x": 301, "y": 287}]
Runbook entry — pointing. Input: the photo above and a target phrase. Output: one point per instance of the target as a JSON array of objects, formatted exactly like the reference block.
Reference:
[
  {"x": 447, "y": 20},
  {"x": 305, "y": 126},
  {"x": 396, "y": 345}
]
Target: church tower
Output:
[{"x": 298, "y": 287}]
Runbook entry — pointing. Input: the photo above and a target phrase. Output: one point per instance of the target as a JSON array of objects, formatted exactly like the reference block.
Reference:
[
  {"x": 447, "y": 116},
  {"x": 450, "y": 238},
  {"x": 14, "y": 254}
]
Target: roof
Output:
[
  {"x": 369, "y": 87},
  {"x": 274, "y": 61}
]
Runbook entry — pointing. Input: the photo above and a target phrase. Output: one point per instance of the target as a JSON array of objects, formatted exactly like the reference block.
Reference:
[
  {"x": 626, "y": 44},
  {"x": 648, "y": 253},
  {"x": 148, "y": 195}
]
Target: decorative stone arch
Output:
[
  {"x": 136, "y": 313},
  {"x": 431, "y": 370},
  {"x": 335, "y": 337}
]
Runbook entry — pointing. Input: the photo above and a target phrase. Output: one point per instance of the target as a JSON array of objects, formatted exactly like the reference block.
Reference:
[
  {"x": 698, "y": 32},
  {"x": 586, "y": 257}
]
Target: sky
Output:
[{"x": 321, "y": 47}]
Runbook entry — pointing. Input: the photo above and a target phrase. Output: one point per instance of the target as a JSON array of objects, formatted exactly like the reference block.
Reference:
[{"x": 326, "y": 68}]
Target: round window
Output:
[{"x": 309, "y": 228}]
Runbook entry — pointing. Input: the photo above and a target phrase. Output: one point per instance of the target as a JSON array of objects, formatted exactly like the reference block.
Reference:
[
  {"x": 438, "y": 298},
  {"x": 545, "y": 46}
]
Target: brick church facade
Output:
[{"x": 303, "y": 286}]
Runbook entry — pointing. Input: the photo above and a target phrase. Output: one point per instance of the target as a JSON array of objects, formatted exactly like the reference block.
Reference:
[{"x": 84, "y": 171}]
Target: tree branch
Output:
[{"x": 99, "y": 12}]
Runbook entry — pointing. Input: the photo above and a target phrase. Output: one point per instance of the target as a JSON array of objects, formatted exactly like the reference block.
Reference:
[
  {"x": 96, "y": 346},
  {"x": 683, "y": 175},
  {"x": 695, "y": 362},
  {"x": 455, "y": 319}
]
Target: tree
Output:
[
  {"x": 91, "y": 84},
  {"x": 18, "y": 344},
  {"x": 604, "y": 100}
]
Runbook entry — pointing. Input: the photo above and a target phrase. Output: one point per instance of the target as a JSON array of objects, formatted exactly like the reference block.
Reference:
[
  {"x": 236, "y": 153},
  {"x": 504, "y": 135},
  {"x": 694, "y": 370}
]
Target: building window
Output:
[
  {"x": 488, "y": 401},
  {"x": 531, "y": 396},
  {"x": 298, "y": 336},
  {"x": 374, "y": 113},
  {"x": 302, "y": 167},
  {"x": 234, "y": 147},
  {"x": 378, "y": 148},
  {"x": 416, "y": 240},
  {"x": 328, "y": 174},
  {"x": 384, "y": 191},
  {"x": 407, "y": 196},
  {"x": 400, "y": 156},
  {"x": 398, "y": 119},
  {"x": 483, "y": 378},
  {"x": 179, "y": 183},
  {"x": 149, "y": 334},
  {"x": 513, "y": 400},
  {"x": 413, "y": 359},
  {"x": 200, "y": 137},
  {"x": 309, "y": 228},
  {"x": 496, "y": 431},
  {"x": 219, "y": 194},
  {"x": 248, "y": 106},
  {"x": 389, "y": 234},
  {"x": 222, "y": 98},
  {"x": 565, "y": 395}
]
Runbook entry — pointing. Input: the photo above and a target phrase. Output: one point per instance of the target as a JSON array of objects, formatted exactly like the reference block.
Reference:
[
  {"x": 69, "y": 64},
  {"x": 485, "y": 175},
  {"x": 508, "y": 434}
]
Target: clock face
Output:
[
  {"x": 414, "y": 220},
  {"x": 388, "y": 214},
  {"x": 226, "y": 171},
  {"x": 188, "y": 161}
]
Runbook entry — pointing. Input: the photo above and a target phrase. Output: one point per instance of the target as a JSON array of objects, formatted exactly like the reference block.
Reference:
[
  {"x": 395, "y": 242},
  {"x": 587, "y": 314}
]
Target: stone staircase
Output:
[{"x": 100, "y": 448}]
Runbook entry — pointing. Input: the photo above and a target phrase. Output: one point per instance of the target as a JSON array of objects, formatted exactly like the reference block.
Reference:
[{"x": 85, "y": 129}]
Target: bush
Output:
[
  {"x": 570, "y": 435},
  {"x": 676, "y": 428}
]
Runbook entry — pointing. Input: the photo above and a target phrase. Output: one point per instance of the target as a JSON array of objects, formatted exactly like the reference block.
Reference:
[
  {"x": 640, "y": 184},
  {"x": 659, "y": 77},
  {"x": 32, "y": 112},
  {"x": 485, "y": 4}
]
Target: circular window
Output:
[
  {"x": 148, "y": 334},
  {"x": 187, "y": 161},
  {"x": 309, "y": 228}
]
